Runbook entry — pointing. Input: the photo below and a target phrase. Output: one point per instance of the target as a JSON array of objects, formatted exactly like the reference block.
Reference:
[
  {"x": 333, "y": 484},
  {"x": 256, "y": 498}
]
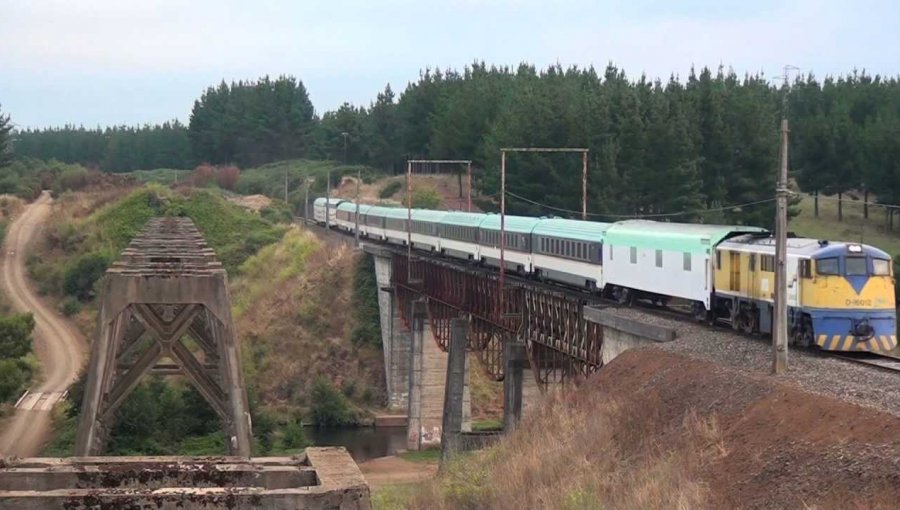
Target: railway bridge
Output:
[{"x": 530, "y": 335}]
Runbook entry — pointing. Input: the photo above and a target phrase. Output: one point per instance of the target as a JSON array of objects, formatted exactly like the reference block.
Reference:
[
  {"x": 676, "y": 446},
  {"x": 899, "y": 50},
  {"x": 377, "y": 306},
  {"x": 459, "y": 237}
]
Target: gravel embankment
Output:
[{"x": 813, "y": 371}]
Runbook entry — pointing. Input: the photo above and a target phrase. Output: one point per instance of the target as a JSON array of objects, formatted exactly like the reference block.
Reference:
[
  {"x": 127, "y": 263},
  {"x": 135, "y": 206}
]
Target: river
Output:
[{"x": 363, "y": 443}]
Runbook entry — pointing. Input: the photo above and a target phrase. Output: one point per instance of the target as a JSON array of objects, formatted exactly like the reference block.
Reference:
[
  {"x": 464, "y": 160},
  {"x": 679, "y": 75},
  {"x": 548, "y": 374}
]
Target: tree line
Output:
[{"x": 703, "y": 143}]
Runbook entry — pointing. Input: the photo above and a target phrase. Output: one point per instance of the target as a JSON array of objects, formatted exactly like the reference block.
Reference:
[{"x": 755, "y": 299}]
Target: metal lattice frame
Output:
[{"x": 560, "y": 343}]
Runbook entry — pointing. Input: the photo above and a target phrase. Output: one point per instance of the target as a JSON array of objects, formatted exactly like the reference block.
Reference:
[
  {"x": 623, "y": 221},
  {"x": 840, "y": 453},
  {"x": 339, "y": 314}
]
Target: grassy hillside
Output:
[
  {"x": 269, "y": 179},
  {"x": 854, "y": 227},
  {"x": 291, "y": 304},
  {"x": 305, "y": 357}
]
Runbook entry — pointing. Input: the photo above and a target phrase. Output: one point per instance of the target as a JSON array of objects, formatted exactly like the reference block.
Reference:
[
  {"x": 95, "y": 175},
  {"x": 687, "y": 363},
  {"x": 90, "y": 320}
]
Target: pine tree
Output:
[{"x": 6, "y": 144}]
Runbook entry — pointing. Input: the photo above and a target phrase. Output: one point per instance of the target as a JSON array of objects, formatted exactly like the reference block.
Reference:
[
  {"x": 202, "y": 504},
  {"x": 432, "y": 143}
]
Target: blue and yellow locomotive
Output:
[{"x": 840, "y": 295}]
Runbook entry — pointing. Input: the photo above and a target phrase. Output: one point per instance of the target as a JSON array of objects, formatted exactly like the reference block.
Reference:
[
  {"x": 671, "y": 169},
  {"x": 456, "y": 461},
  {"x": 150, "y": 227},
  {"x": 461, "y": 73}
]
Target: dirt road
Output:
[{"x": 58, "y": 345}]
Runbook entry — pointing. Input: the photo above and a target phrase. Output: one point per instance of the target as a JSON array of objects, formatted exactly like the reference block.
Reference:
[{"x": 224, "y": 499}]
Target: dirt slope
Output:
[
  {"x": 58, "y": 344},
  {"x": 657, "y": 430}
]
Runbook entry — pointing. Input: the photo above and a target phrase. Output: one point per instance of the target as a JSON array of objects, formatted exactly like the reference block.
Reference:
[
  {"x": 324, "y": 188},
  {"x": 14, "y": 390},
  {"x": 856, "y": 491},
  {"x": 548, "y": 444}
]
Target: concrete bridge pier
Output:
[
  {"x": 395, "y": 340},
  {"x": 427, "y": 379}
]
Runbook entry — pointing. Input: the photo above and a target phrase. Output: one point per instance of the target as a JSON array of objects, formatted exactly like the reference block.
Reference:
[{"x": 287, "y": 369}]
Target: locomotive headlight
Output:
[{"x": 854, "y": 248}]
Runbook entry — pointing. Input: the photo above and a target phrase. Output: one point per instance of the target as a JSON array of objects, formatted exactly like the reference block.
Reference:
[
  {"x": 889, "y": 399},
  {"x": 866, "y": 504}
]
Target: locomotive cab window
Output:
[
  {"x": 805, "y": 268},
  {"x": 855, "y": 266},
  {"x": 881, "y": 267},
  {"x": 827, "y": 266}
]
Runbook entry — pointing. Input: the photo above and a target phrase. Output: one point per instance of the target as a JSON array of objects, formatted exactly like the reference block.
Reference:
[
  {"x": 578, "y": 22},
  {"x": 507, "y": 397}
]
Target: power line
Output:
[
  {"x": 849, "y": 201},
  {"x": 626, "y": 216}
]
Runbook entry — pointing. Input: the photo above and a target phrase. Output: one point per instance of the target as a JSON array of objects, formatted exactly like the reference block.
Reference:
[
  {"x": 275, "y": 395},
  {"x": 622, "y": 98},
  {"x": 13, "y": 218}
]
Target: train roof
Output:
[
  {"x": 799, "y": 246},
  {"x": 520, "y": 224},
  {"x": 428, "y": 215},
  {"x": 380, "y": 210},
  {"x": 332, "y": 201},
  {"x": 572, "y": 229},
  {"x": 466, "y": 219},
  {"x": 686, "y": 237},
  {"x": 351, "y": 207}
]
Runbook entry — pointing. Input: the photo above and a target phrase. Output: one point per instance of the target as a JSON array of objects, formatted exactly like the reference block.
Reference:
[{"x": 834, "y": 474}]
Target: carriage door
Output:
[{"x": 734, "y": 261}]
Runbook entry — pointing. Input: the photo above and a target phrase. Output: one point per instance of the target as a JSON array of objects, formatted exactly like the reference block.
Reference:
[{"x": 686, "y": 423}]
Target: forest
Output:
[{"x": 705, "y": 142}]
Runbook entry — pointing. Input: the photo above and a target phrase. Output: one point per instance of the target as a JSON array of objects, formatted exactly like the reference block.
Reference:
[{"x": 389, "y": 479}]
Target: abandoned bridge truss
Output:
[
  {"x": 166, "y": 287},
  {"x": 560, "y": 343}
]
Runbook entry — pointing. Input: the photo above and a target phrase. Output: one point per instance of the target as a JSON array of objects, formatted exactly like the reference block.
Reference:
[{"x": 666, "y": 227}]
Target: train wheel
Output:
[
  {"x": 699, "y": 312},
  {"x": 803, "y": 335},
  {"x": 747, "y": 321},
  {"x": 623, "y": 296}
]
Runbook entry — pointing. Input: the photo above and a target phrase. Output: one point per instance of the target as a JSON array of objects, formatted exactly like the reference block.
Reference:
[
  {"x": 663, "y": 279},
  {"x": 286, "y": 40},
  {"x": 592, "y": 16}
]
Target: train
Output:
[{"x": 840, "y": 295}]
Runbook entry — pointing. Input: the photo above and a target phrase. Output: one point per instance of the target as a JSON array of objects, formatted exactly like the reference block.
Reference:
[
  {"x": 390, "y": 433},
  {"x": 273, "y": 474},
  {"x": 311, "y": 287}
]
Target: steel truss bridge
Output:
[{"x": 559, "y": 342}]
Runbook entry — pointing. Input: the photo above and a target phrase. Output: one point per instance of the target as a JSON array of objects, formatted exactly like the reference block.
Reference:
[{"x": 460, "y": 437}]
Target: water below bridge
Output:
[{"x": 363, "y": 443}]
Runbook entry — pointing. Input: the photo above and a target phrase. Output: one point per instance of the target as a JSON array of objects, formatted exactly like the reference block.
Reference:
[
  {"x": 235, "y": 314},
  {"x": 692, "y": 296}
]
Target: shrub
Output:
[
  {"x": 14, "y": 374},
  {"x": 70, "y": 306},
  {"x": 277, "y": 212},
  {"x": 293, "y": 436},
  {"x": 227, "y": 177},
  {"x": 330, "y": 407},
  {"x": 365, "y": 303},
  {"x": 15, "y": 335},
  {"x": 390, "y": 189},
  {"x": 426, "y": 198},
  {"x": 79, "y": 278},
  {"x": 74, "y": 177},
  {"x": 203, "y": 175}
]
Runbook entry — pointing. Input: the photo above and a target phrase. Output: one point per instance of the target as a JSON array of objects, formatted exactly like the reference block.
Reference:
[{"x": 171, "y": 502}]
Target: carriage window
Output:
[
  {"x": 633, "y": 255},
  {"x": 752, "y": 262},
  {"x": 718, "y": 259},
  {"x": 659, "y": 259},
  {"x": 767, "y": 263},
  {"x": 827, "y": 266},
  {"x": 855, "y": 266},
  {"x": 881, "y": 267},
  {"x": 686, "y": 261},
  {"x": 805, "y": 269}
]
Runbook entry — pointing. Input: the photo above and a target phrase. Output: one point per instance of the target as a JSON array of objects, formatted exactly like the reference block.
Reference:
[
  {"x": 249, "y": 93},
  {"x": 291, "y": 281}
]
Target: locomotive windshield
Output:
[
  {"x": 827, "y": 266},
  {"x": 881, "y": 267},
  {"x": 855, "y": 266}
]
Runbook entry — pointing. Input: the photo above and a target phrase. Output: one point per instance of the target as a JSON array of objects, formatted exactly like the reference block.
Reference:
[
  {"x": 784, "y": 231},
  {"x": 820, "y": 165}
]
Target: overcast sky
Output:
[{"x": 129, "y": 62}]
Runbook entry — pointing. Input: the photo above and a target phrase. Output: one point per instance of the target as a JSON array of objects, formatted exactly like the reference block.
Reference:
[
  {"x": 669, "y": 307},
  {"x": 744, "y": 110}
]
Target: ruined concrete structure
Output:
[
  {"x": 322, "y": 478},
  {"x": 167, "y": 286}
]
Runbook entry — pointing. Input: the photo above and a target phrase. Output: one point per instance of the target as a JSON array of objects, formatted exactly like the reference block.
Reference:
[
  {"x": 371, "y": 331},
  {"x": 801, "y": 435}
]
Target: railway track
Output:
[{"x": 883, "y": 362}]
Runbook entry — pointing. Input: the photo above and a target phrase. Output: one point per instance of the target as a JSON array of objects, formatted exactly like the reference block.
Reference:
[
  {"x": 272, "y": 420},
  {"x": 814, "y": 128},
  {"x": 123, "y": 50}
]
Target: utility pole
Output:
[
  {"x": 306, "y": 204},
  {"x": 780, "y": 326},
  {"x": 328, "y": 200},
  {"x": 584, "y": 172},
  {"x": 285, "y": 185},
  {"x": 358, "y": 178},
  {"x": 779, "y": 331}
]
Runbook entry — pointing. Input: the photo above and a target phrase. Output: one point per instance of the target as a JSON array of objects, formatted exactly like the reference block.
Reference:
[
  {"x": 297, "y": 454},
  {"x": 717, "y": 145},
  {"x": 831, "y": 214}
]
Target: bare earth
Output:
[
  {"x": 393, "y": 470},
  {"x": 57, "y": 343}
]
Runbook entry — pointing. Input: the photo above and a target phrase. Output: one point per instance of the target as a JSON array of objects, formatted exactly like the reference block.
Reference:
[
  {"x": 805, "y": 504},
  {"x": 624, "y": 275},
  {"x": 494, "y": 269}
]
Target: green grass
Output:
[
  {"x": 233, "y": 232},
  {"x": 159, "y": 175},
  {"x": 269, "y": 179},
  {"x": 392, "y": 497},
  {"x": 429, "y": 455},
  {"x": 853, "y": 228},
  {"x": 487, "y": 425}
]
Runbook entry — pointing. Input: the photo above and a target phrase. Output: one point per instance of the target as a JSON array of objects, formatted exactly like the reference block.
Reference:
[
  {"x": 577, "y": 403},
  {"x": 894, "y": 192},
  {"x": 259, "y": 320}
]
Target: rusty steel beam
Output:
[{"x": 560, "y": 343}]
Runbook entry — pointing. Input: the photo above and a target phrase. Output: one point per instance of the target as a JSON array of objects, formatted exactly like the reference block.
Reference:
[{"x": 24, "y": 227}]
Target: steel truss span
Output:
[{"x": 560, "y": 343}]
